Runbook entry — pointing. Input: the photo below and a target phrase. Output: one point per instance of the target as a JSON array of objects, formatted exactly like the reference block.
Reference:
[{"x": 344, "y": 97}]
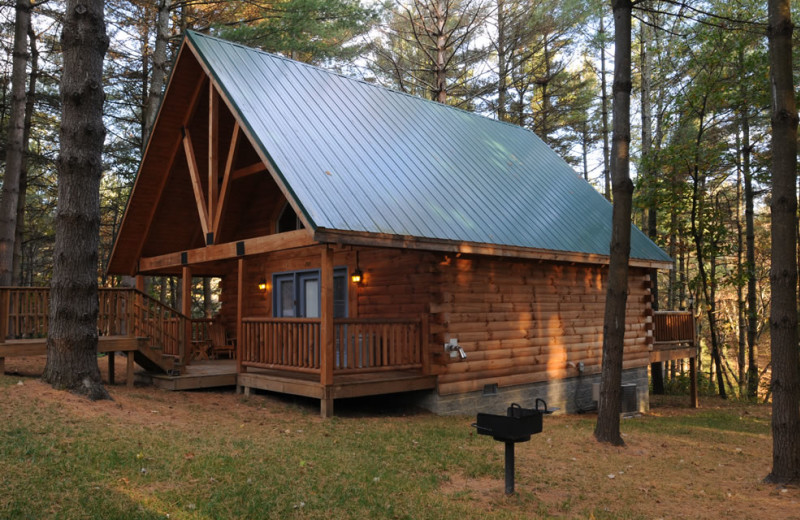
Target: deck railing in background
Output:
[
  {"x": 122, "y": 312},
  {"x": 673, "y": 327},
  {"x": 28, "y": 311}
]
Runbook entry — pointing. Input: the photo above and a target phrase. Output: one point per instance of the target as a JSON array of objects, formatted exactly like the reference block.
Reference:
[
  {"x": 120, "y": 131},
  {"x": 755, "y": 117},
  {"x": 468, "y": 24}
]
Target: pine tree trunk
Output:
[
  {"x": 72, "y": 335},
  {"x": 502, "y": 67},
  {"x": 656, "y": 375},
  {"x": 207, "y": 307},
  {"x": 741, "y": 312},
  {"x": 783, "y": 273},
  {"x": 159, "y": 66},
  {"x": 23, "y": 171},
  {"x": 750, "y": 258},
  {"x": 9, "y": 197},
  {"x": 607, "y": 428},
  {"x": 604, "y": 113}
]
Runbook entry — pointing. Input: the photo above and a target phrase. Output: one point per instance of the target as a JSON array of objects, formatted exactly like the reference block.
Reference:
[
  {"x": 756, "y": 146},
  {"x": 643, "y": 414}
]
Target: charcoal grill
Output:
[{"x": 516, "y": 426}]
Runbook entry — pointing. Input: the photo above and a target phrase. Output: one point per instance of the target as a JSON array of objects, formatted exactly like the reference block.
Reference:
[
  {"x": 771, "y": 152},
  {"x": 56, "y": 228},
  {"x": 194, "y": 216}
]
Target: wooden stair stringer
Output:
[{"x": 152, "y": 360}]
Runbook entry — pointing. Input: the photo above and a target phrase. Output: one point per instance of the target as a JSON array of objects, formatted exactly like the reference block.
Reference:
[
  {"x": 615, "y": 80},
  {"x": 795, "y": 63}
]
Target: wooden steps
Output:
[
  {"x": 153, "y": 360},
  {"x": 200, "y": 374}
]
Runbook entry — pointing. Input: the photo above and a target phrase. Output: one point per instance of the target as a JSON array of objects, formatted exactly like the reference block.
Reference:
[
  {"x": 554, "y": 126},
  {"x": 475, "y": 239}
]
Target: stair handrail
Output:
[
  {"x": 149, "y": 304},
  {"x": 158, "y": 303}
]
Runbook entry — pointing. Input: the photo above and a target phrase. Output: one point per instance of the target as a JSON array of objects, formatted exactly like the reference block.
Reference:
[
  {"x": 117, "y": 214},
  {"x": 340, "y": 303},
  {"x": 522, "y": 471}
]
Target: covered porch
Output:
[{"x": 313, "y": 352}]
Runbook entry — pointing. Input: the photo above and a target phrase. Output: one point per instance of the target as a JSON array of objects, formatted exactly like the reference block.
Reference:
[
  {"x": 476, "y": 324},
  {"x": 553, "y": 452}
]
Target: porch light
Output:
[
  {"x": 358, "y": 275},
  {"x": 262, "y": 284}
]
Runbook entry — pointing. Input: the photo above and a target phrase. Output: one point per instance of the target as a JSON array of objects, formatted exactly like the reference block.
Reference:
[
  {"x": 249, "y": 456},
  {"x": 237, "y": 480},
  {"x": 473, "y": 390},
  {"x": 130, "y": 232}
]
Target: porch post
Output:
[
  {"x": 239, "y": 313},
  {"x": 186, "y": 310},
  {"x": 139, "y": 283},
  {"x": 326, "y": 331}
]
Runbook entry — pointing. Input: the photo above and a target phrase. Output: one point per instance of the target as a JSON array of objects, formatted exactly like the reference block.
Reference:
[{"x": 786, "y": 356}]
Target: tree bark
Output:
[
  {"x": 783, "y": 272},
  {"x": 72, "y": 335},
  {"x": 9, "y": 197},
  {"x": 607, "y": 428}
]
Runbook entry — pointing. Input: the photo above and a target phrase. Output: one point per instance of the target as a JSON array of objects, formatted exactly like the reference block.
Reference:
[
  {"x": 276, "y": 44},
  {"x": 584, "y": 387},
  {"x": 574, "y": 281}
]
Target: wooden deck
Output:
[
  {"x": 675, "y": 337},
  {"x": 344, "y": 385},
  {"x": 200, "y": 374},
  {"x": 105, "y": 344},
  {"x": 219, "y": 373}
]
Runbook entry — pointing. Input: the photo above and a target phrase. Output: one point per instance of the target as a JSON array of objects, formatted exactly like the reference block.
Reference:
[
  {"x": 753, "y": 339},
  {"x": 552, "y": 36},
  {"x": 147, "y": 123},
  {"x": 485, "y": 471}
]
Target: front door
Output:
[{"x": 297, "y": 294}]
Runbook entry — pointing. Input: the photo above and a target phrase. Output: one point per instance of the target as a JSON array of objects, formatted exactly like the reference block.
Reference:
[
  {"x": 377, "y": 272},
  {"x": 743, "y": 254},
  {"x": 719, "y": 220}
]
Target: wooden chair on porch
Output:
[{"x": 220, "y": 344}]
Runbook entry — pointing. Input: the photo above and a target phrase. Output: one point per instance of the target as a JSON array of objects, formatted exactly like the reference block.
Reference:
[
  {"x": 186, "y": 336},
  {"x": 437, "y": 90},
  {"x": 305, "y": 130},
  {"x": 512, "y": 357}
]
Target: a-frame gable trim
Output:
[
  {"x": 173, "y": 155},
  {"x": 197, "y": 186},
  {"x": 258, "y": 146},
  {"x": 226, "y": 179}
]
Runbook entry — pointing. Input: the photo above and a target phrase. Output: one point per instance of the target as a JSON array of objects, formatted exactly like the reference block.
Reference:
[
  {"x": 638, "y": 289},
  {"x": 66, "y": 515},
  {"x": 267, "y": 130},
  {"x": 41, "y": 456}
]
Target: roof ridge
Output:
[{"x": 193, "y": 34}]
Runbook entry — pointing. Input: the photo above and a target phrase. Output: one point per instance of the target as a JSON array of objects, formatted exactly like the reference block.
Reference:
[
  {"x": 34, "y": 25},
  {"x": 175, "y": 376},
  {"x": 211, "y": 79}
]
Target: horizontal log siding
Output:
[
  {"x": 398, "y": 283},
  {"x": 526, "y": 322}
]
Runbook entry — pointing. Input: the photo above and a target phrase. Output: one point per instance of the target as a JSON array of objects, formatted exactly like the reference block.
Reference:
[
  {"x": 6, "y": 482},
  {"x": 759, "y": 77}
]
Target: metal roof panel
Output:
[{"x": 360, "y": 157}]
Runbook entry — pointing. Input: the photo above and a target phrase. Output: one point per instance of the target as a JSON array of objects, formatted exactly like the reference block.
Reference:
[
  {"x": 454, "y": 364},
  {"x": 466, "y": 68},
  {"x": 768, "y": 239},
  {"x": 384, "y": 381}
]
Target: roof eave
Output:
[{"x": 359, "y": 238}]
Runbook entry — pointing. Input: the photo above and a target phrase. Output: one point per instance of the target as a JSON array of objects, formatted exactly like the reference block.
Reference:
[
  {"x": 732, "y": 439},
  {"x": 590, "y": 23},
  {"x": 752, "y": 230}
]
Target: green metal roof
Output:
[{"x": 359, "y": 157}]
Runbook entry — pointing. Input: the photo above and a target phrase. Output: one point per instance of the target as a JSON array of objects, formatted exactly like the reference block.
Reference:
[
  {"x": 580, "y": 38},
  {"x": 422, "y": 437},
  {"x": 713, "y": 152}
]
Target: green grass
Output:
[{"x": 154, "y": 454}]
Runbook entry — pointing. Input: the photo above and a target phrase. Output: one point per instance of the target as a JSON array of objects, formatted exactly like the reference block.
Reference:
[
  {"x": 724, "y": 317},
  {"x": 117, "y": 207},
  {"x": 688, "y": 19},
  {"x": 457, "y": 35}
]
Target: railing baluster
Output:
[{"x": 363, "y": 345}]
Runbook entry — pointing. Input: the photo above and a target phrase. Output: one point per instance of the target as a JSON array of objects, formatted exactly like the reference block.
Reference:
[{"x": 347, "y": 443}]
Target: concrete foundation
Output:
[{"x": 571, "y": 395}]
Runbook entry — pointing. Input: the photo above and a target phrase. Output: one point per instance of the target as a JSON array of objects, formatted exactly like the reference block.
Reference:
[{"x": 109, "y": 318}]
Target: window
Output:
[
  {"x": 287, "y": 220},
  {"x": 297, "y": 294}
]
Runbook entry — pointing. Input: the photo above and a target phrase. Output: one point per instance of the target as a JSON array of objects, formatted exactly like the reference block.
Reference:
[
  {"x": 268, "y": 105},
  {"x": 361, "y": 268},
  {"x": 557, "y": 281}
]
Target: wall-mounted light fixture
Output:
[
  {"x": 357, "y": 276},
  {"x": 262, "y": 284}
]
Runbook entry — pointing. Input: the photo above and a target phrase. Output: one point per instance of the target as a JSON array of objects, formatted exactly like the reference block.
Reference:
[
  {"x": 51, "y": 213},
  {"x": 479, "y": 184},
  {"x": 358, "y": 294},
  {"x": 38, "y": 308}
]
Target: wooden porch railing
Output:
[
  {"x": 360, "y": 345},
  {"x": 673, "y": 327},
  {"x": 122, "y": 311},
  {"x": 369, "y": 345},
  {"x": 281, "y": 343}
]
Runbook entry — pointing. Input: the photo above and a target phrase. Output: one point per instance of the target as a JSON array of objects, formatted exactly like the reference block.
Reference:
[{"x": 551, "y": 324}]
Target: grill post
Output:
[{"x": 509, "y": 468}]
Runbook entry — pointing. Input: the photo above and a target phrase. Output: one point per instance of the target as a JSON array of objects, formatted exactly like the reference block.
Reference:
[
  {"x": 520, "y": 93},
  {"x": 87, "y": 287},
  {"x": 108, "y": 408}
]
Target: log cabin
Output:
[{"x": 371, "y": 242}]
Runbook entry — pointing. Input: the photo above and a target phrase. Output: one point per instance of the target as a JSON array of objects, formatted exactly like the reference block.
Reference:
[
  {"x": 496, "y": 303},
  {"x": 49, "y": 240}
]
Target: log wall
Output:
[{"x": 524, "y": 322}]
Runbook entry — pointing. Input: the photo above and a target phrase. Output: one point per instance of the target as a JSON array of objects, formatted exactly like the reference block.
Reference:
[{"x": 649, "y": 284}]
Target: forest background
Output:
[{"x": 700, "y": 138}]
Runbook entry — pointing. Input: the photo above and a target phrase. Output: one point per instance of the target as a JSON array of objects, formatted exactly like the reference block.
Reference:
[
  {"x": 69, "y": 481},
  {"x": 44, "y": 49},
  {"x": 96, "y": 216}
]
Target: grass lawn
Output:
[{"x": 205, "y": 455}]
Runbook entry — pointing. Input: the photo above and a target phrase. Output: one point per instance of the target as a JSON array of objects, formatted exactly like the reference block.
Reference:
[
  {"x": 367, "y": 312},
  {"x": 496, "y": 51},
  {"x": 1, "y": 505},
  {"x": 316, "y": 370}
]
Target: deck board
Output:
[{"x": 667, "y": 352}]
